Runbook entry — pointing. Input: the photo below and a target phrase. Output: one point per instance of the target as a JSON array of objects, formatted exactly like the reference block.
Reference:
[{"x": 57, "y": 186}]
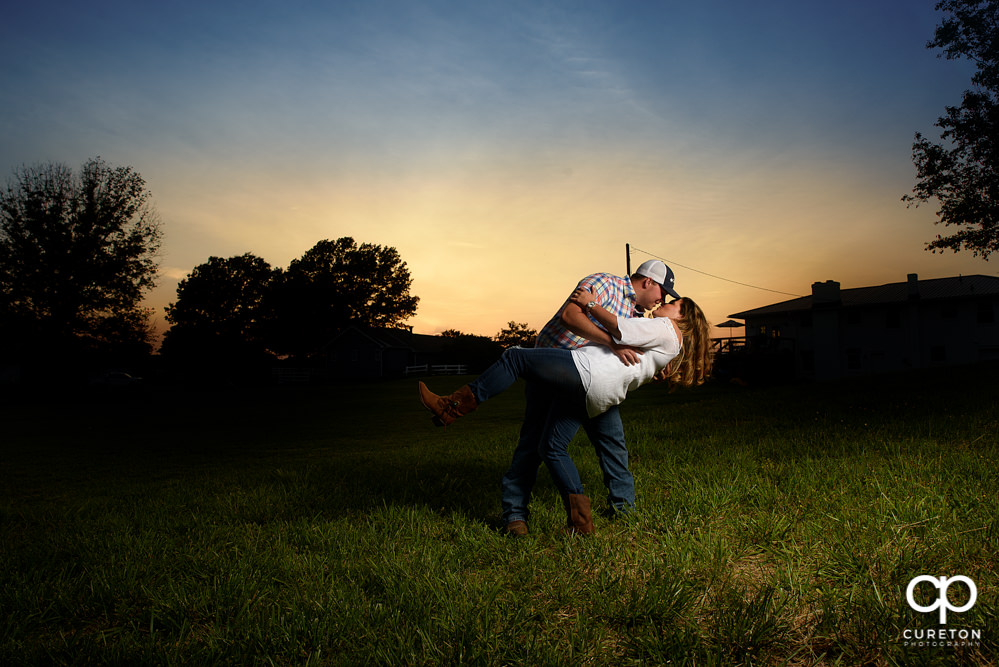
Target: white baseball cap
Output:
[{"x": 659, "y": 272}]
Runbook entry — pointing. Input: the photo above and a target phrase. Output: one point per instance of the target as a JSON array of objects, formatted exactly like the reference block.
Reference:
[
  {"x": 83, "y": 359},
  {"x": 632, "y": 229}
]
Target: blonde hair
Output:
[{"x": 693, "y": 365}]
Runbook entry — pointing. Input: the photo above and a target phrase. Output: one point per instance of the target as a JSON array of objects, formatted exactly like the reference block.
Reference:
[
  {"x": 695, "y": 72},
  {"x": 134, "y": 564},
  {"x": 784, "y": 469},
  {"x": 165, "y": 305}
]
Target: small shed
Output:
[{"x": 360, "y": 352}]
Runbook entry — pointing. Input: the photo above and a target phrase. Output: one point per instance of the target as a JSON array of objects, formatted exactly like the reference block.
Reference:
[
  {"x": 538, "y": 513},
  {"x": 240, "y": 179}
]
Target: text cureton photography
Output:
[{"x": 941, "y": 636}]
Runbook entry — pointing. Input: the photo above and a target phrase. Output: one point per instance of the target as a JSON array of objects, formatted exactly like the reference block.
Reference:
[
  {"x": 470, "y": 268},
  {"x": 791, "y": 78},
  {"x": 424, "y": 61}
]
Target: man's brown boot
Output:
[
  {"x": 516, "y": 529},
  {"x": 579, "y": 519},
  {"x": 448, "y": 408}
]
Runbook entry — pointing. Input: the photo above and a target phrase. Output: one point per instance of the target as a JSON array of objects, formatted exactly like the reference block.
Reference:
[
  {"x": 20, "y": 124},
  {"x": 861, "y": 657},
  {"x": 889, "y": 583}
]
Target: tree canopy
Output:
[
  {"x": 296, "y": 311},
  {"x": 219, "y": 310},
  {"x": 477, "y": 352},
  {"x": 516, "y": 334},
  {"x": 243, "y": 306},
  {"x": 78, "y": 252},
  {"x": 964, "y": 177}
]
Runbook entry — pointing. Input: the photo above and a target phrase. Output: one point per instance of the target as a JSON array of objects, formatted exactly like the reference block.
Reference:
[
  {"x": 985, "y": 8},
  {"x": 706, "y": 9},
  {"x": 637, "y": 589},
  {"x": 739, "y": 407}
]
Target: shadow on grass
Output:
[
  {"x": 335, "y": 450},
  {"x": 268, "y": 453}
]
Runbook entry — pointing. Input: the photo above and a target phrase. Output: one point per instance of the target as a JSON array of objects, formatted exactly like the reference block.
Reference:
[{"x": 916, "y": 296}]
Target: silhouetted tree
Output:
[
  {"x": 516, "y": 334},
  {"x": 217, "y": 316},
  {"x": 333, "y": 285},
  {"x": 476, "y": 352},
  {"x": 77, "y": 256},
  {"x": 965, "y": 178}
]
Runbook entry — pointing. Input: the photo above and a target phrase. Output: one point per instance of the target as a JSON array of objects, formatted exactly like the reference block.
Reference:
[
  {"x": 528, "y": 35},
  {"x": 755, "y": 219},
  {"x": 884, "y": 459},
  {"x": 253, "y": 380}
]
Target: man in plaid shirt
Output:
[{"x": 572, "y": 327}]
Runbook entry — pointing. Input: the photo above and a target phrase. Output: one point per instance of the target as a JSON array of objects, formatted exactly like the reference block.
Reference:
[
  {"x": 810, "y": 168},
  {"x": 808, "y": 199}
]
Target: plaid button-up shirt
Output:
[{"x": 614, "y": 293}]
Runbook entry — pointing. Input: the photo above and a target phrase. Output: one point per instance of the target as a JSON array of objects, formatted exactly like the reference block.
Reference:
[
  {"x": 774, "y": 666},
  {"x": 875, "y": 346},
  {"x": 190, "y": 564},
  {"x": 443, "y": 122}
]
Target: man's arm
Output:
[
  {"x": 576, "y": 320},
  {"x": 582, "y": 297}
]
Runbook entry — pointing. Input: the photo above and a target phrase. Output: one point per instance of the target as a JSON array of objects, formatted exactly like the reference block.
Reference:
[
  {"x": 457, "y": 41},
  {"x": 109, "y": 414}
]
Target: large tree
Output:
[
  {"x": 336, "y": 284},
  {"x": 964, "y": 177},
  {"x": 474, "y": 352},
  {"x": 219, "y": 312},
  {"x": 78, "y": 252},
  {"x": 516, "y": 334}
]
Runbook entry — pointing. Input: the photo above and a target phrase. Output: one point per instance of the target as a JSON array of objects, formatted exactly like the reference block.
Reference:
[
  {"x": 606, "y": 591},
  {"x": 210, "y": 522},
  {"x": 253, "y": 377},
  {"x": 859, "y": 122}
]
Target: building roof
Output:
[
  {"x": 959, "y": 287},
  {"x": 393, "y": 338}
]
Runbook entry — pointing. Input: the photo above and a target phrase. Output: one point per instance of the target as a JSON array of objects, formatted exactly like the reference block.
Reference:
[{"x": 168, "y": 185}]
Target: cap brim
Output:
[{"x": 672, "y": 293}]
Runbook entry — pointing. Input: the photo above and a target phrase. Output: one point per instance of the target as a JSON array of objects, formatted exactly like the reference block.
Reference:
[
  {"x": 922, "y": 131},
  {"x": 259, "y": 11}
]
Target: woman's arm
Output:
[
  {"x": 575, "y": 319},
  {"x": 583, "y": 298}
]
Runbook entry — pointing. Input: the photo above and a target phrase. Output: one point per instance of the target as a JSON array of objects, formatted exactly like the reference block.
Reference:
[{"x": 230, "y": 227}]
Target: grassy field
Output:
[{"x": 336, "y": 525}]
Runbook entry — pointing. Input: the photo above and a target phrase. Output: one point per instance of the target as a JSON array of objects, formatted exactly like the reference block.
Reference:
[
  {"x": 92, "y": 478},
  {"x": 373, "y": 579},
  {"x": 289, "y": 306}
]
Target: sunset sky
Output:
[{"x": 506, "y": 149}]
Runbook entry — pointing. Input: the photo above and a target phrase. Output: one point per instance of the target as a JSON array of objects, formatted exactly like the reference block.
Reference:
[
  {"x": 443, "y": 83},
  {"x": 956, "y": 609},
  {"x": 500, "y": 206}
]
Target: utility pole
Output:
[{"x": 627, "y": 258}]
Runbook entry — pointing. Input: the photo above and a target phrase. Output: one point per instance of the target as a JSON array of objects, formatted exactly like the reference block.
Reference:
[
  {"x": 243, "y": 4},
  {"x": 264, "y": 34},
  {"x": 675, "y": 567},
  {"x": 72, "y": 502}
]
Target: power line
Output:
[{"x": 672, "y": 263}]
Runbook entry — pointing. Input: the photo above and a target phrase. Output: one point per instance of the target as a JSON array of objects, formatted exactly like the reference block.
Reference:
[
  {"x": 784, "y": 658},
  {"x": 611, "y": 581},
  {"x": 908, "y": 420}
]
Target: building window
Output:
[
  {"x": 938, "y": 354},
  {"x": 805, "y": 321},
  {"x": 854, "y": 317},
  {"x": 893, "y": 319},
  {"x": 854, "y": 359},
  {"x": 948, "y": 311}
]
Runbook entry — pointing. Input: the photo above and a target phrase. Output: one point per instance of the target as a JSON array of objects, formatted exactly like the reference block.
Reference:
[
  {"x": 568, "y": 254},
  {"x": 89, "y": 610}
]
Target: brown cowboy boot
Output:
[
  {"x": 577, "y": 509},
  {"x": 516, "y": 528},
  {"x": 448, "y": 408}
]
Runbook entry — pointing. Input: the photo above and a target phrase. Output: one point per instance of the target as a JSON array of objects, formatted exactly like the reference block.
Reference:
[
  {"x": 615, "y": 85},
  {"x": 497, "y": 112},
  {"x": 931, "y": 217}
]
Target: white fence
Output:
[
  {"x": 437, "y": 369},
  {"x": 292, "y": 375}
]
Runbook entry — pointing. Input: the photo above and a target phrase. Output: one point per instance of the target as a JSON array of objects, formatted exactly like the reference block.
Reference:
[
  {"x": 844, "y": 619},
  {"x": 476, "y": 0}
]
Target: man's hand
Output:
[
  {"x": 582, "y": 296},
  {"x": 628, "y": 355}
]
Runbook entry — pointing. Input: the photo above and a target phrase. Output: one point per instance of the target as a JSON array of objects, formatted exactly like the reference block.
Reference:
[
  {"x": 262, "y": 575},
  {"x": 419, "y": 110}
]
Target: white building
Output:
[{"x": 900, "y": 326}]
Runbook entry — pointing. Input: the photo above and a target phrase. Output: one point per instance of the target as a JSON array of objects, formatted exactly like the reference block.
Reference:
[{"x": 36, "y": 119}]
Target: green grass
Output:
[{"x": 335, "y": 525}]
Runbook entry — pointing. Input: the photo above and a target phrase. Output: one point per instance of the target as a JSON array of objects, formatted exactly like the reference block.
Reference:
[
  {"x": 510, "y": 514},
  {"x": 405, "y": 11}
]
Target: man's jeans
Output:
[
  {"x": 556, "y": 405},
  {"x": 551, "y": 367},
  {"x": 555, "y": 411}
]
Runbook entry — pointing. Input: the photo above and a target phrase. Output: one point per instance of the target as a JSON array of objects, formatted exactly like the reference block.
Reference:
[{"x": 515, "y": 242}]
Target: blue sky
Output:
[{"x": 505, "y": 148}]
